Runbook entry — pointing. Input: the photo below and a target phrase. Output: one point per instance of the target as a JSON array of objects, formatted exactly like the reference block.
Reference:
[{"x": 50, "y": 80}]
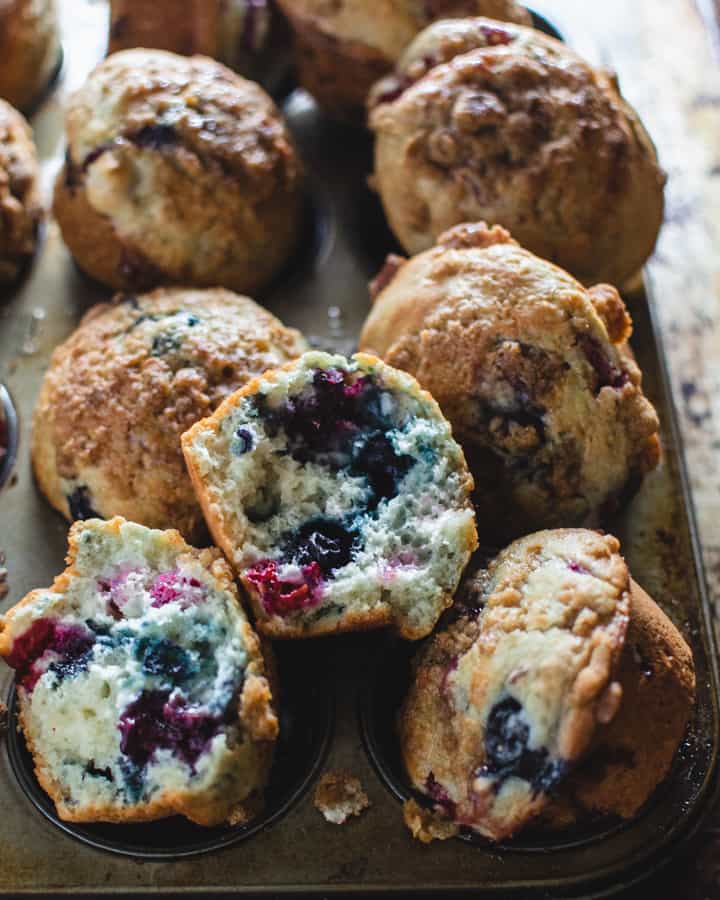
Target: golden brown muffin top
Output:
[{"x": 19, "y": 201}]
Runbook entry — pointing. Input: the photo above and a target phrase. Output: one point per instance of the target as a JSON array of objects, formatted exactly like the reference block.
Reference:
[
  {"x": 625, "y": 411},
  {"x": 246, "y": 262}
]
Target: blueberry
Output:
[
  {"x": 105, "y": 773},
  {"x": 154, "y": 137},
  {"x": 606, "y": 372},
  {"x": 243, "y": 442},
  {"x": 80, "y": 504},
  {"x": 161, "y": 657},
  {"x": 507, "y": 753},
  {"x": 375, "y": 457},
  {"x": 326, "y": 542},
  {"x": 166, "y": 342}
]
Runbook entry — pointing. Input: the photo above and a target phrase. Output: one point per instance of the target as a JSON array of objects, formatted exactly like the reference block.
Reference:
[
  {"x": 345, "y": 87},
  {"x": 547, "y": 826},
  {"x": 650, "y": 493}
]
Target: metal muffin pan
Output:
[{"x": 323, "y": 291}]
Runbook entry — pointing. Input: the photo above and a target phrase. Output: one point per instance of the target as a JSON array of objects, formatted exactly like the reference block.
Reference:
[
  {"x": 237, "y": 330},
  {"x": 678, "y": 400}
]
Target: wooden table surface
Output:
[{"x": 667, "y": 54}]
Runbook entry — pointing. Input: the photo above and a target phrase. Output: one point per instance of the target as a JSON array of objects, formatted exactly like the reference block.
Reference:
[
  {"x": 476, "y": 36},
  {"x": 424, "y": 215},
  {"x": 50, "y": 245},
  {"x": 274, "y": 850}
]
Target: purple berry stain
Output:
[
  {"x": 168, "y": 587},
  {"x": 284, "y": 596},
  {"x": 155, "y": 722},
  {"x": 70, "y": 646},
  {"x": 607, "y": 373}
]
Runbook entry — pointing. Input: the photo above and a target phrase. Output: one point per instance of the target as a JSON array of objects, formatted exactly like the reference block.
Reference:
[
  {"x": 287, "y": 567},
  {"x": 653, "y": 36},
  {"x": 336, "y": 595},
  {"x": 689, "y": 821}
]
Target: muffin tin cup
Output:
[{"x": 306, "y": 714}]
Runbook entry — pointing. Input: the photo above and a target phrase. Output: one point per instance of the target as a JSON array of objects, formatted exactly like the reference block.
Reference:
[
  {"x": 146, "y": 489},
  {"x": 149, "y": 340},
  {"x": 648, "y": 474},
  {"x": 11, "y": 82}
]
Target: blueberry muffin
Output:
[
  {"x": 512, "y": 127},
  {"x": 20, "y": 209},
  {"x": 140, "y": 683},
  {"x": 177, "y": 171},
  {"x": 125, "y": 385},
  {"x": 506, "y": 698},
  {"x": 29, "y": 49},
  {"x": 338, "y": 494},
  {"x": 344, "y": 46},
  {"x": 231, "y": 31},
  {"x": 533, "y": 371},
  {"x": 632, "y": 754}
]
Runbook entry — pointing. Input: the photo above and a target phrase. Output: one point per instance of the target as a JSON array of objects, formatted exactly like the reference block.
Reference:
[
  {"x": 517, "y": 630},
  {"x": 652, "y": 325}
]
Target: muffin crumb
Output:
[
  {"x": 338, "y": 796},
  {"x": 425, "y": 825}
]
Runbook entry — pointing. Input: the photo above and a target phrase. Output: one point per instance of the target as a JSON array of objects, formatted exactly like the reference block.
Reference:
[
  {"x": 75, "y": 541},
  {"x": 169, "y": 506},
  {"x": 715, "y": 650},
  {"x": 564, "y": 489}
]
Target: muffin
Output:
[
  {"x": 20, "y": 209},
  {"x": 124, "y": 386},
  {"x": 231, "y": 31},
  {"x": 507, "y": 125},
  {"x": 344, "y": 47},
  {"x": 339, "y": 496},
  {"x": 177, "y": 171},
  {"x": 506, "y": 698},
  {"x": 533, "y": 371},
  {"x": 631, "y": 755},
  {"x": 29, "y": 49},
  {"x": 140, "y": 684}
]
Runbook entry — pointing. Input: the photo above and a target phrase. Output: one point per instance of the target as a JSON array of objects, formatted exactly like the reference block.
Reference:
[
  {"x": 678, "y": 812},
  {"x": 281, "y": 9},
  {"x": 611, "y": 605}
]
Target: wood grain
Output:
[{"x": 666, "y": 54}]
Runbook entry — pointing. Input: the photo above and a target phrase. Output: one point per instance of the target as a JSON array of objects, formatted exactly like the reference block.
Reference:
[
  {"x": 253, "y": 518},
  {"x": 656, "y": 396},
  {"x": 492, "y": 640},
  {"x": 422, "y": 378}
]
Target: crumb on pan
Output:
[
  {"x": 3, "y": 718},
  {"x": 425, "y": 825},
  {"x": 338, "y": 796}
]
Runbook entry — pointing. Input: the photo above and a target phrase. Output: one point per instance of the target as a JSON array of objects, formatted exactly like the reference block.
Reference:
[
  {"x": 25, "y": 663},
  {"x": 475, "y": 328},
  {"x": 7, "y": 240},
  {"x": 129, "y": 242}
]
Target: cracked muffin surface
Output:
[
  {"x": 29, "y": 49},
  {"x": 507, "y": 696},
  {"x": 533, "y": 371},
  {"x": 128, "y": 382},
  {"x": 20, "y": 209},
  {"x": 344, "y": 46},
  {"x": 504, "y": 124},
  {"x": 177, "y": 171},
  {"x": 141, "y": 686}
]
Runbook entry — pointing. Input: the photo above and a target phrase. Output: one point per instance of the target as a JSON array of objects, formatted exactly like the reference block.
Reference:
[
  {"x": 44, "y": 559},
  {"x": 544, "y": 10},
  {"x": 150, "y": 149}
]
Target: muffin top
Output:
[
  {"x": 532, "y": 370},
  {"x": 126, "y": 384},
  {"x": 29, "y": 48},
  {"x": 508, "y": 695},
  {"x": 390, "y": 25},
  {"x": 502, "y": 123},
  {"x": 19, "y": 200},
  {"x": 209, "y": 116}
]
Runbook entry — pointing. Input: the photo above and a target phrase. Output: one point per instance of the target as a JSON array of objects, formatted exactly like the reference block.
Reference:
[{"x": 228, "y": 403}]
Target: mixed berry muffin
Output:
[
  {"x": 338, "y": 494},
  {"x": 20, "y": 209},
  {"x": 632, "y": 754},
  {"x": 177, "y": 171},
  {"x": 232, "y": 31},
  {"x": 29, "y": 49},
  {"x": 507, "y": 696},
  {"x": 533, "y": 371},
  {"x": 344, "y": 46},
  {"x": 140, "y": 683},
  {"x": 124, "y": 386},
  {"x": 512, "y": 127}
]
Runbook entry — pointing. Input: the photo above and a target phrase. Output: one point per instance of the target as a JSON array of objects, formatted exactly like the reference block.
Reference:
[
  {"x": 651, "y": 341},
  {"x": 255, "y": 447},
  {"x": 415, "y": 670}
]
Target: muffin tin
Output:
[{"x": 340, "y": 695}]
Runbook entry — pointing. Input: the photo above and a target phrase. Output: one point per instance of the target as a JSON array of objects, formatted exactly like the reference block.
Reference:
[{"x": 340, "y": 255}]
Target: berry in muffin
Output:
[
  {"x": 504, "y": 124},
  {"x": 533, "y": 371},
  {"x": 140, "y": 683},
  {"x": 337, "y": 492},
  {"x": 29, "y": 49},
  {"x": 20, "y": 209},
  {"x": 506, "y": 698},
  {"x": 125, "y": 385},
  {"x": 344, "y": 47},
  {"x": 232, "y": 31},
  {"x": 177, "y": 171},
  {"x": 631, "y": 755}
]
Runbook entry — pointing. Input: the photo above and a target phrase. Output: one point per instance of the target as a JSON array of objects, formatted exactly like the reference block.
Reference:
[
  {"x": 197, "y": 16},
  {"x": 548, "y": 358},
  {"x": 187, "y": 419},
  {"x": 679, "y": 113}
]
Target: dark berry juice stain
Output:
[
  {"x": 243, "y": 442},
  {"x": 153, "y": 723},
  {"x": 80, "y": 504},
  {"x": 325, "y": 542},
  {"x": 439, "y": 795},
  {"x": 154, "y": 137},
  {"x": 507, "y": 753},
  {"x": 342, "y": 423},
  {"x": 71, "y": 643},
  {"x": 607, "y": 374},
  {"x": 163, "y": 658},
  {"x": 106, "y": 773}
]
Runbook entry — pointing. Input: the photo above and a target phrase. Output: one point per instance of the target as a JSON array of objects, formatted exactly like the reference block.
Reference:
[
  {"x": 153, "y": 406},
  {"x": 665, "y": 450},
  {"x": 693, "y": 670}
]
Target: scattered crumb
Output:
[
  {"x": 425, "y": 825},
  {"x": 246, "y": 811},
  {"x": 338, "y": 796},
  {"x": 239, "y": 816},
  {"x": 3, "y": 718}
]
